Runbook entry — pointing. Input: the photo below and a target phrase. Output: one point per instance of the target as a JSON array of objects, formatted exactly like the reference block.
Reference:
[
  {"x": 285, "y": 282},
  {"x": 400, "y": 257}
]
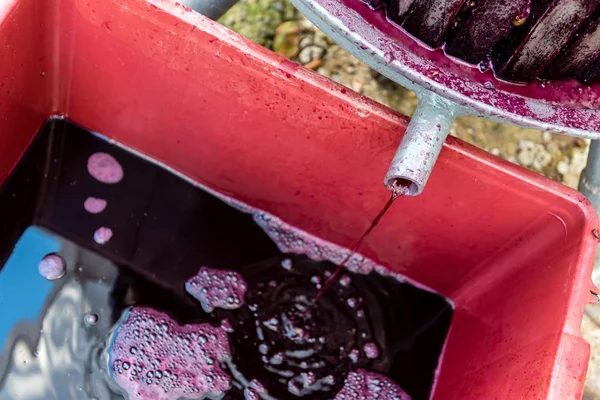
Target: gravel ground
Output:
[{"x": 278, "y": 26}]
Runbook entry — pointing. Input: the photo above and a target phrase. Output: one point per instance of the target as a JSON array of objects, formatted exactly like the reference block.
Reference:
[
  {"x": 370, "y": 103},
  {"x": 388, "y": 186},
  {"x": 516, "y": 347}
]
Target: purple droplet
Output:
[
  {"x": 217, "y": 289},
  {"x": 105, "y": 168},
  {"x": 103, "y": 235},
  {"x": 94, "y": 205},
  {"x": 52, "y": 267},
  {"x": 361, "y": 384}
]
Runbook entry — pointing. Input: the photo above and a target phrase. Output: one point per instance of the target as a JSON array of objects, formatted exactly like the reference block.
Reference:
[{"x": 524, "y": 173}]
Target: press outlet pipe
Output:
[
  {"x": 422, "y": 143},
  {"x": 213, "y": 9}
]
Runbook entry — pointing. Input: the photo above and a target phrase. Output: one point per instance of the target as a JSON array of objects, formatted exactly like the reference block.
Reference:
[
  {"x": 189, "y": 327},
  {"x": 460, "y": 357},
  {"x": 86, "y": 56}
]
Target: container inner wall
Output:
[{"x": 230, "y": 115}]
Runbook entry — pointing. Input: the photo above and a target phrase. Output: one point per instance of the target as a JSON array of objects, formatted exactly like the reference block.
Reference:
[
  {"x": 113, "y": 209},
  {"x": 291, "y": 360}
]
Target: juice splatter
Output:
[
  {"x": 94, "y": 205},
  {"x": 52, "y": 267},
  {"x": 105, "y": 168},
  {"x": 215, "y": 288},
  {"x": 152, "y": 357},
  {"x": 103, "y": 235},
  {"x": 365, "y": 385}
]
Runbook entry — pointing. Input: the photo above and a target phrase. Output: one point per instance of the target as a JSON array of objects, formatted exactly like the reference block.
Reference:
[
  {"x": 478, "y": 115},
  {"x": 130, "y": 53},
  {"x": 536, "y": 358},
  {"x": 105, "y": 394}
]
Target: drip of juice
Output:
[{"x": 398, "y": 190}]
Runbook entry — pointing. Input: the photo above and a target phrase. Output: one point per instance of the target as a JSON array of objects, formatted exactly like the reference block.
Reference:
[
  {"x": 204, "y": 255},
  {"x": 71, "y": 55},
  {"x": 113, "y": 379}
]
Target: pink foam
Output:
[
  {"x": 152, "y": 357},
  {"x": 216, "y": 288},
  {"x": 293, "y": 240},
  {"x": 371, "y": 350},
  {"x": 103, "y": 235},
  {"x": 105, "y": 168},
  {"x": 94, "y": 205},
  {"x": 365, "y": 385}
]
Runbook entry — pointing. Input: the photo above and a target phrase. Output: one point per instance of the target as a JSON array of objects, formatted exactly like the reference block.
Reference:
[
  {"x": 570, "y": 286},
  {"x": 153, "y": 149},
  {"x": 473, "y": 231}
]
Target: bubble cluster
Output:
[
  {"x": 215, "y": 288},
  {"x": 105, "y": 168},
  {"x": 94, "y": 205},
  {"x": 365, "y": 385},
  {"x": 152, "y": 357},
  {"x": 103, "y": 235},
  {"x": 293, "y": 240},
  {"x": 52, "y": 267},
  {"x": 371, "y": 350}
]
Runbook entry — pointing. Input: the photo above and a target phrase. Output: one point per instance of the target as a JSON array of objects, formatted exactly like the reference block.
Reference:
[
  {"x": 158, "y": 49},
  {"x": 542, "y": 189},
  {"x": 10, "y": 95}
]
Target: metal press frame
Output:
[{"x": 429, "y": 126}]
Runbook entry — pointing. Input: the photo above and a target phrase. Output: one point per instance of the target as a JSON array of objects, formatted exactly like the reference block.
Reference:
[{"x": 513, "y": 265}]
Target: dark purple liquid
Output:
[{"x": 165, "y": 229}]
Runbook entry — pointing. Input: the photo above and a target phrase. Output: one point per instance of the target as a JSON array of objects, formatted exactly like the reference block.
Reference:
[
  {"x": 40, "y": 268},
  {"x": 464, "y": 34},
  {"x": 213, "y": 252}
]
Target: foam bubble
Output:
[
  {"x": 345, "y": 280},
  {"x": 103, "y": 235},
  {"x": 105, "y": 168},
  {"x": 365, "y": 385},
  {"x": 152, "y": 357},
  {"x": 215, "y": 288},
  {"x": 287, "y": 264},
  {"x": 91, "y": 319},
  {"x": 94, "y": 205},
  {"x": 293, "y": 240},
  {"x": 52, "y": 267},
  {"x": 371, "y": 350}
]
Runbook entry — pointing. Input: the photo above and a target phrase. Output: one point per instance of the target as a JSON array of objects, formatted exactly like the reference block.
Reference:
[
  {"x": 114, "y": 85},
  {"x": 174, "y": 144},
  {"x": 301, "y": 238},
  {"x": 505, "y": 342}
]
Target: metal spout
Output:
[
  {"x": 421, "y": 144},
  {"x": 213, "y": 9}
]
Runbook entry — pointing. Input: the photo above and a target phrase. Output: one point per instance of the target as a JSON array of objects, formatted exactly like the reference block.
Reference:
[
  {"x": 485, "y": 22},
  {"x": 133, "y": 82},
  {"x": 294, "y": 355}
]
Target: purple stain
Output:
[
  {"x": 215, "y": 288},
  {"x": 52, "y": 267},
  {"x": 94, "y": 205},
  {"x": 361, "y": 384},
  {"x": 371, "y": 350},
  {"x": 105, "y": 168},
  {"x": 152, "y": 357},
  {"x": 103, "y": 235}
]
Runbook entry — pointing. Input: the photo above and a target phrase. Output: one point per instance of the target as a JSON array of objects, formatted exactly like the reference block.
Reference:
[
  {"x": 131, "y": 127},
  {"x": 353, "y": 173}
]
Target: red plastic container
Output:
[{"x": 511, "y": 249}]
